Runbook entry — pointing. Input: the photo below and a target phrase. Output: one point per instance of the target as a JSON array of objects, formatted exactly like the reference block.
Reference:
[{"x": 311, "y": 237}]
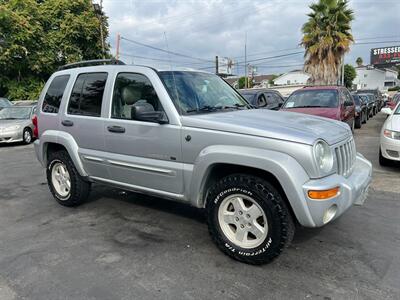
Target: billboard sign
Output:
[
  {"x": 225, "y": 66},
  {"x": 385, "y": 56}
]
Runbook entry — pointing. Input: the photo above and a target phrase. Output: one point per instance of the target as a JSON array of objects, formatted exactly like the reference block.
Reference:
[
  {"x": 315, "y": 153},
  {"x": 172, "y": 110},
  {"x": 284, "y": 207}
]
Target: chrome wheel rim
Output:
[
  {"x": 27, "y": 136},
  {"x": 243, "y": 221},
  {"x": 61, "y": 179}
]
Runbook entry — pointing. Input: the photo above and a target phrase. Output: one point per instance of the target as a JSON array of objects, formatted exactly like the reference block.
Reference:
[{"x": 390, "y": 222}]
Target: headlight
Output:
[
  {"x": 392, "y": 134},
  {"x": 323, "y": 156}
]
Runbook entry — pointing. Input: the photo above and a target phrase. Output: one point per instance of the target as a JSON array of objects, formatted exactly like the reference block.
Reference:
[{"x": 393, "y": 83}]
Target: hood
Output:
[
  {"x": 327, "y": 112},
  {"x": 393, "y": 123},
  {"x": 7, "y": 123},
  {"x": 281, "y": 125}
]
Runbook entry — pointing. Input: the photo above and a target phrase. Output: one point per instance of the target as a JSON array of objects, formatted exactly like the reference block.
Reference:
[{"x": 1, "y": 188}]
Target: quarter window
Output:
[
  {"x": 131, "y": 90},
  {"x": 54, "y": 94},
  {"x": 87, "y": 94}
]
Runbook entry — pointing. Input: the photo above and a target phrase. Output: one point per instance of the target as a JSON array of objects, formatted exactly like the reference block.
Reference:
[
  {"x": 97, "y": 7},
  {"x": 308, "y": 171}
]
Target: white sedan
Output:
[{"x": 390, "y": 136}]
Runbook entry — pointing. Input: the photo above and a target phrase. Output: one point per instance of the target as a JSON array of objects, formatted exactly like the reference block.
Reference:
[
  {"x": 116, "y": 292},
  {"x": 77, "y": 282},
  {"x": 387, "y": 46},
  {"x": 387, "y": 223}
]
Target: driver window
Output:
[
  {"x": 261, "y": 101},
  {"x": 132, "y": 90}
]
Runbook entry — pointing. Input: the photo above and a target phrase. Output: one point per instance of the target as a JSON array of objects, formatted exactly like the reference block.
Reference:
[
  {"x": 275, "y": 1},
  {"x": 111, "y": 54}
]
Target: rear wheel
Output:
[
  {"x": 65, "y": 183},
  {"x": 248, "y": 219}
]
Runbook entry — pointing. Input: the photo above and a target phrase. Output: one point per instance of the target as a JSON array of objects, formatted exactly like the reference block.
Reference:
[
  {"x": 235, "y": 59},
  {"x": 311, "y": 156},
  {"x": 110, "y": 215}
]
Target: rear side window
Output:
[
  {"x": 87, "y": 94},
  {"x": 54, "y": 94}
]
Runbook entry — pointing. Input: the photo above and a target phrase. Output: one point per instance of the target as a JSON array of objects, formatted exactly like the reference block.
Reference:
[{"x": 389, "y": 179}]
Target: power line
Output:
[
  {"x": 165, "y": 51},
  {"x": 162, "y": 59}
]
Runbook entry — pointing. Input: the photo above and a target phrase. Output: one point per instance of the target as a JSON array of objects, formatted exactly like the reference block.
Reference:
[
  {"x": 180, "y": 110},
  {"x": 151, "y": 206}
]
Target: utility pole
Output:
[
  {"x": 216, "y": 65},
  {"x": 118, "y": 45},
  {"x": 101, "y": 28},
  {"x": 245, "y": 60},
  {"x": 343, "y": 70}
]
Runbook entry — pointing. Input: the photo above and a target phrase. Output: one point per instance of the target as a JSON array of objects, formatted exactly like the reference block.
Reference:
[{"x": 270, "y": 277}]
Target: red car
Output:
[{"x": 334, "y": 102}]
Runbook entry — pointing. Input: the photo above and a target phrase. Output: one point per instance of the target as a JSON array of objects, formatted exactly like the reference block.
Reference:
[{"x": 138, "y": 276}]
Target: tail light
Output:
[{"x": 35, "y": 126}]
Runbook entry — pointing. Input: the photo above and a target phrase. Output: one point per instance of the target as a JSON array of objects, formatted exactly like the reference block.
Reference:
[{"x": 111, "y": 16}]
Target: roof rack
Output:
[{"x": 93, "y": 62}]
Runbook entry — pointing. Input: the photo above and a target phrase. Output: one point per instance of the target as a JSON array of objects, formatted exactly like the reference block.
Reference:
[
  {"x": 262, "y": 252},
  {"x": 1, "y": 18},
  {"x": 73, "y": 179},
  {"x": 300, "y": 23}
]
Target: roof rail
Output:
[{"x": 93, "y": 62}]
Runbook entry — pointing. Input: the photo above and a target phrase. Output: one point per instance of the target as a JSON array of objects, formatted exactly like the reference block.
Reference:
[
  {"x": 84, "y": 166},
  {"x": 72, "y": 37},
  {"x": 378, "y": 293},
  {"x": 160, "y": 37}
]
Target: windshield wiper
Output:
[
  {"x": 9, "y": 119},
  {"x": 214, "y": 108},
  {"x": 304, "y": 106}
]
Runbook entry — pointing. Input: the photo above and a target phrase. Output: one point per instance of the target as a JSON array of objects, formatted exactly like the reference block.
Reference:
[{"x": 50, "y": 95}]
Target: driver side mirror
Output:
[
  {"x": 143, "y": 111},
  {"x": 386, "y": 111}
]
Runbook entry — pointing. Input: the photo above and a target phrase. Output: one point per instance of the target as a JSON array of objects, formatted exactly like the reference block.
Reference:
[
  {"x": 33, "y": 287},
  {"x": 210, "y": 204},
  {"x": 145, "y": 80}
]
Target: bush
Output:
[
  {"x": 27, "y": 89},
  {"x": 395, "y": 88}
]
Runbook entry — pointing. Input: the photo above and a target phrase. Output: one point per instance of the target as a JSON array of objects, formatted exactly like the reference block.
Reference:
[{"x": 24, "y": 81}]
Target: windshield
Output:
[
  {"x": 312, "y": 98},
  {"x": 356, "y": 100},
  {"x": 195, "y": 92},
  {"x": 15, "y": 113}
]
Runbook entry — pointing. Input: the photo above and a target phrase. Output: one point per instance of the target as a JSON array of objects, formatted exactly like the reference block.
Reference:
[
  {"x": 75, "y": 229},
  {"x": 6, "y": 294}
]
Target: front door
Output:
[{"x": 141, "y": 154}]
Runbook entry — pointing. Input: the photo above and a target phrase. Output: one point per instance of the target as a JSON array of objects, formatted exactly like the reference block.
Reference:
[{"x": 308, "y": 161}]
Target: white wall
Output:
[
  {"x": 370, "y": 79},
  {"x": 292, "y": 78}
]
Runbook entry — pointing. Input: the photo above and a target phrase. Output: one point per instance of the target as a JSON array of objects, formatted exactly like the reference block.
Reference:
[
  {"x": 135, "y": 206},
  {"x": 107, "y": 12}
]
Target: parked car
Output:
[
  {"x": 379, "y": 103},
  {"x": 4, "y": 102},
  {"x": 390, "y": 137},
  {"x": 16, "y": 124},
  {"x": 189, "y": 136},
  {"x": 392, "y": 102},
  {"x": 372, "y": 110},
  {"x": 361, "y": 110},
  {"x": 334, "y": 102},
  {"x": 25, "y": 103},
  {"x": 263, "y": 98}
]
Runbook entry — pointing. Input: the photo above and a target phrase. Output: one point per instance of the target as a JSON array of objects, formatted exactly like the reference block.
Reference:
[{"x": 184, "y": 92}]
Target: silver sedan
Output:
[
  {"x": 16, "y": 124},
  {"x": 390, "y": 136}
]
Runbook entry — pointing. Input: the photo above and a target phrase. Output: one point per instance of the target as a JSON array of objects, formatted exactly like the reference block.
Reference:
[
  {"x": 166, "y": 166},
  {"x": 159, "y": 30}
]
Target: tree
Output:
[
  {"x": 39, "y": 36},
  {"x": 273, "y": 77},
  {"x": 349, "y": 75},
  {"x": 359, "y": 61},
  {"x": 326, "y": 38},
  {"x": 241, "y": 82}
]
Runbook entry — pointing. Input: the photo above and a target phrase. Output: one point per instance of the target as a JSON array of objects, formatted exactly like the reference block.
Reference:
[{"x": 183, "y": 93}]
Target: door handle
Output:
[
  {"x": 116, "y": 129},
  {"x": 67, "y": 123}
]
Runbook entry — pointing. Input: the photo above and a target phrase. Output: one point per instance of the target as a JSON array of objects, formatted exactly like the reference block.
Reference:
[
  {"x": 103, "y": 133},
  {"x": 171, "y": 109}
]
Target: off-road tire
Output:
[
  {"x": 80, "y": 188},
  {"x": 281, "y": 227},
  {"x": 27, "y": 140},
  {"x": 383, "y": 161}
]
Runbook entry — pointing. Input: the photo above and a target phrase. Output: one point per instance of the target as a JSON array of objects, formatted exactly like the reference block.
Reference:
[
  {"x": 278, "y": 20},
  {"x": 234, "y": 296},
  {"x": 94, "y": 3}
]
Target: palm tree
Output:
[
  {"x": 326, "y": 38},
  {"x": 359, "y": 61}
]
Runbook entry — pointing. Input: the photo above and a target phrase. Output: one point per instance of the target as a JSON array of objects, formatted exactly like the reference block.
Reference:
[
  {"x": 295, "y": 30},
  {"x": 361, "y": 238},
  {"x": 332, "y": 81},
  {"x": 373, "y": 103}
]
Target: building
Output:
[
  {"x": 369, "y": 77},
  {"x": 296, "y": 77},
  {"x": 258, "y": 80}
]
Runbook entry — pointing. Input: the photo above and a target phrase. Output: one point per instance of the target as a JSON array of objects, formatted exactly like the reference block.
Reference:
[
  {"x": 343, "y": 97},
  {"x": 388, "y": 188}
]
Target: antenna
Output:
[{"x": 173, "y": 75}]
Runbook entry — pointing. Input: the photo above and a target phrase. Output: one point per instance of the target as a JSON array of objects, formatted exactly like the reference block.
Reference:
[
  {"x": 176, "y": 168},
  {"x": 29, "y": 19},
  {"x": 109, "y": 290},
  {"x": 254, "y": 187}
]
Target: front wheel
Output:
[
  {"x": 27, "y": 136},
  {"x": 65, "y": 183},
  {"x": 248, "y": 219}
]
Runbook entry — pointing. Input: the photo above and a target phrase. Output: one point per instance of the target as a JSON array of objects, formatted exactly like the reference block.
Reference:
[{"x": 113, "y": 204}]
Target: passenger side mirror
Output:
[
  {"x": 386, "y": 111},
  {"x": 143, "y": 111}
]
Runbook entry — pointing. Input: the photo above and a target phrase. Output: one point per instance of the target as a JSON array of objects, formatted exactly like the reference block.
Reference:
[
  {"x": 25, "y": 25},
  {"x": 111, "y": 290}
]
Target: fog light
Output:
[
  {"x": 323, "y": 194},
  {"x": 392, "y": 153},
  {"x": 330, "y": 213}
]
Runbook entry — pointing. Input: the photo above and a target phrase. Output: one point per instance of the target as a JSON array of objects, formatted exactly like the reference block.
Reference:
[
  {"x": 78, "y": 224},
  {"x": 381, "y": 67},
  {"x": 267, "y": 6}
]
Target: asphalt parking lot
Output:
[{"x": 128, "y": 246}]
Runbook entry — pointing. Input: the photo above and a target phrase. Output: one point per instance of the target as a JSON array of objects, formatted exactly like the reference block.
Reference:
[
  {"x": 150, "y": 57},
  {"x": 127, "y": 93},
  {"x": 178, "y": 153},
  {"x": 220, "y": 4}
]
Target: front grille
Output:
[{"x": 346, "y": 157}]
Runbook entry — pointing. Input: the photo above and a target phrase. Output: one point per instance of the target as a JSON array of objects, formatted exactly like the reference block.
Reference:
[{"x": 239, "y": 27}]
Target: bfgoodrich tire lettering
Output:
[
  {"x": 78, "y": 188},
  {"x": 280, "y": 224}
]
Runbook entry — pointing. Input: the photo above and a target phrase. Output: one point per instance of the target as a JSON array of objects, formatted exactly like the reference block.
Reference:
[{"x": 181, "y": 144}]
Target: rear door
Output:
[{"x": 83, "y": 119}]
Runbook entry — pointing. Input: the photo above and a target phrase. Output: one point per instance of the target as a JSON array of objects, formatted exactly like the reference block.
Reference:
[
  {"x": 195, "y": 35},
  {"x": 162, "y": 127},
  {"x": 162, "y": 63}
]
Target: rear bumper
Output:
[{"x": 353, "y": 190}]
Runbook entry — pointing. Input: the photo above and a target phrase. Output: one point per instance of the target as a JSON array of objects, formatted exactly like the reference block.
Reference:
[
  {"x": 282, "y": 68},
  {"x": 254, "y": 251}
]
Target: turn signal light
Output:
[
  {"x": 324, "y": 194},
  {"x": 35, "y": 126}
]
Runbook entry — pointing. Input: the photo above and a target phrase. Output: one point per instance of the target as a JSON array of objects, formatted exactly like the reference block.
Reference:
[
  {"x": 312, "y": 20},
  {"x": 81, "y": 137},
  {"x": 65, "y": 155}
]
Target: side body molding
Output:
[
  {"x": 61, "y": 138},
  {"x": 285, "y": 168}
]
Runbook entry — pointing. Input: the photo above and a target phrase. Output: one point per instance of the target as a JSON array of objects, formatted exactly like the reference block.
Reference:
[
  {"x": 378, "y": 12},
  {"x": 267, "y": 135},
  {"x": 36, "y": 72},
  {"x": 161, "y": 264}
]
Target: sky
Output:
[{"x": 201, "y": 30}]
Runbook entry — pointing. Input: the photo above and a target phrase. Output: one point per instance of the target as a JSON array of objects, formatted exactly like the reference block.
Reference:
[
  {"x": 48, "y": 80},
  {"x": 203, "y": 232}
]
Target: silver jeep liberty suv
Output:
[{"x": 188, "y": 136}]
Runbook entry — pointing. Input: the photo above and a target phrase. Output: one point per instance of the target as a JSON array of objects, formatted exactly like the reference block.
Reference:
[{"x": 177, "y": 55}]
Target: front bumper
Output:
[
  {"x": 11, "y": 136},
  {"x": 353, "y": 190},
  {"x": 390, "y": 148}
]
